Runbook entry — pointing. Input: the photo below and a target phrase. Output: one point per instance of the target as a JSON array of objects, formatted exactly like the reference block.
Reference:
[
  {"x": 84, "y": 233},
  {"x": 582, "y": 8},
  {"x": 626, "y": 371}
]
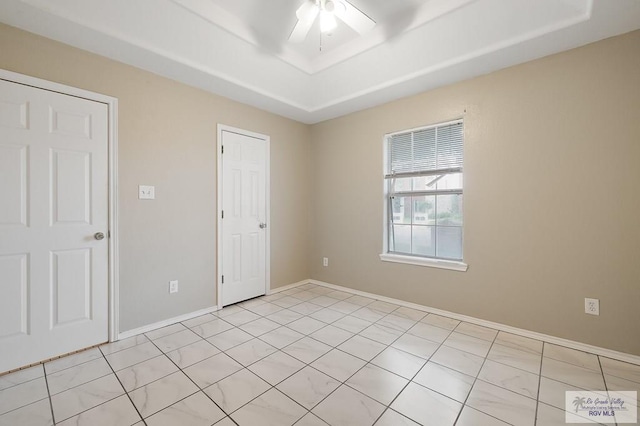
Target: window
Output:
[{"x": 424, "y": 188}]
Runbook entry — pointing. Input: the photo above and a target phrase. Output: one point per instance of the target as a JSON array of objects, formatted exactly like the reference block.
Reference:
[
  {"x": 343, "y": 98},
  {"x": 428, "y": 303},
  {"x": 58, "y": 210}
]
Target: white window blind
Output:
[{"x": 424, "y": 189}]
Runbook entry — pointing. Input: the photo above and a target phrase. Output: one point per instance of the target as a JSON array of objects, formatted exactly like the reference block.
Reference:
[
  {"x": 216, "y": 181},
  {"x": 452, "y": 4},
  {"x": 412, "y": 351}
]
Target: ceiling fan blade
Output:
[
  {"x": 353, "y": 17},
  {"x": 306, "y": 14}
]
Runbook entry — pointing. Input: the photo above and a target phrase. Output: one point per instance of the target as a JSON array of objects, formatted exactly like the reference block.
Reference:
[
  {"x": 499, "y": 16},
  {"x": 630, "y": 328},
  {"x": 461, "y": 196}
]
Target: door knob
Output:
[
  {"x": 262, "y": 225},
  {"x": 99, "y": 236}
]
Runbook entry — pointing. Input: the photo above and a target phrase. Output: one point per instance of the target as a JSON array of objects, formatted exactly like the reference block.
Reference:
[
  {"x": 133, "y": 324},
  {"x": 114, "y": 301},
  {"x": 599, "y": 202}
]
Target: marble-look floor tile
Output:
[
  {"x": 348, "y": 407},
  {"x": 332, "y": 336},
  {"x": 552, "y": 392},
  {"x": 72, "y": 360},
  {"x": 367, "y": 314},
  {"x": 362, "y": 347},
  {"x": 381, "y": 334},
  {"x": 21, "y": 376},
  {"x": 281, "y": 337},
  {"x": 272, "y": 408},
  {"x": 276, "y": 367},
  {"x": 360, "y": 300},
  {"x": 416, "y": 345},
  {"x": 552, "y": 416},
  {"x": 259, "y": 327},
  {"x": 23, "y": 394},
  {"x": 78, "y": 375},
  {"x": 36, "y": 414},
  {"x": 621, "y": 369},
  {"x": 146, "y": 372},
  {"x": 324, "y": 301},
  {"x": 384, "y": 307},
  {"x": 110, "y": 348},
  {"x": 134, "y": 355},
  {"x": 340, "y": 295},
  {"x": 306, "y": 325},
  {"x": 338, "y": 364},
  {"x": 308, "y": 387},
  {"x": 377, "y": 383},
  {"x": 251, "y": 351},
  {"x": 307, "y": 349},
  {"x": 228, "y": 310},
  {"x": 196, "y": 410},
  {"x": 572, "y": 356},
  {"x": 519, "y": 342},
  {"x": 311, "y": 420},
  {"x": 396, "y": 322},
  {"x": 165, "y": 331},
  {"x": 305, "y": 295},
  {"x": 409, "y": 313},
  {"x": 207, "y": 372},
  {"x": 287, "y": 302},
  {"x": 426, "y": 406},
  {"x": 162, "y": 393},
  {"x": 399, "y": 362},
  {"x": 193, "y": 353},
  {"x": 241, "y": 318},
  {"x": 327, "y": 315},
  {"x": 472, "y": 417},
  {"x": 230, "y": 338},
  {"x": 510, "y": 378},
  {"x": 572, "y": 374},
  {"x": 352, "y": 324},
  {"x": 440, "y": 321},
  {"x": 284, "y": 316},
  {"x": 518, "y": 358},
  {"x": 446, "y": 381},
  {"x": 176, "y": 340},
  {"x": 236, "y": 390},
  {"x": 198, "y": 320},
  {"x": 393, "y": 418},
  {"x": 467, "y": 343},
  {"x": 117, "y": 412},
  {"x": 226, "y": 422},
  {"x": 345, "y": 307},
  {"x": 429, "y": 332},
  {"x": 478, "y": 331},
  {"x": 211, "y": 328},
  {"x": 76, "y": 400},
  {"x": 502, "y": 404},
  {"x": 306, "y": 308},
  {"x": 265, "y": 309},
  {"x": 458, "y": 360}
]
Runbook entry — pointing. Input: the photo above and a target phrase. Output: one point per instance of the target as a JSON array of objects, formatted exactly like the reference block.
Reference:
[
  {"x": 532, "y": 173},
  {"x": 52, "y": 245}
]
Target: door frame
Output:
[
  {"x": 220, "y": 188},
  {"x": 112, "y": 160}
]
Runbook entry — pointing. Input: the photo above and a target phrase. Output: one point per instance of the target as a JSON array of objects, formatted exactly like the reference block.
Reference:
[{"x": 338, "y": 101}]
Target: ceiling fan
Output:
[{"x": 328, "y": 11}]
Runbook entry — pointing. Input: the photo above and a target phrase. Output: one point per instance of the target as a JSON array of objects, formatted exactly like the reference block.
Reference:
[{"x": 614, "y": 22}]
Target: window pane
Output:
[
  {"x": 401, "y": 209},
  {"x": 449, "y": 210},
  {"x": 424, "y": 240},
  {"x": 449, "y": 242},
  {"x": 424, "y": 183},
  {"x": 451, "y": 181},
  {"x": 424, "y": 212},
  {"x": 401, "y": 236},
  {"x": 401, "y": 185}
]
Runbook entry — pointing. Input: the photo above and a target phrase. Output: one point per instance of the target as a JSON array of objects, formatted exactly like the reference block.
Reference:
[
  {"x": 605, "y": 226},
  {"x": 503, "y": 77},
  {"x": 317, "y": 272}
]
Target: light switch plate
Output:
[{"x": 146, "y": 192}]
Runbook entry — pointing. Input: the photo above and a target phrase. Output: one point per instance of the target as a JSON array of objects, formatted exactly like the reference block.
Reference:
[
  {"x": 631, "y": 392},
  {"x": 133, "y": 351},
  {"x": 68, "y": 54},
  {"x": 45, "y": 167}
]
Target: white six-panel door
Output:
[
  {"x": 53, "y": 205},
  {"x": 244, "y": 224}
]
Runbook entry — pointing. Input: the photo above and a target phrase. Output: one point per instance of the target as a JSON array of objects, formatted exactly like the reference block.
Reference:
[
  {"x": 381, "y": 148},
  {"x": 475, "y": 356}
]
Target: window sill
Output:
[{"x": 423, "y": 261}]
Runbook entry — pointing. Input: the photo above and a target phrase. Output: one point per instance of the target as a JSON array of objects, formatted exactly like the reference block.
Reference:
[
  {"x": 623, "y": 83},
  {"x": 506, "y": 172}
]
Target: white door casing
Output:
[
  {"x": 54, "y": 199},
  {"x": 243, "y": 233}
]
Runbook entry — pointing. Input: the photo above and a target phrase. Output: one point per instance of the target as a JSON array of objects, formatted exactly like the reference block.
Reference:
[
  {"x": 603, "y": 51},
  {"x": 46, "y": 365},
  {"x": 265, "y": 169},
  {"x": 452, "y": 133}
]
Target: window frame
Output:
[{"x": 406, "y": 258}]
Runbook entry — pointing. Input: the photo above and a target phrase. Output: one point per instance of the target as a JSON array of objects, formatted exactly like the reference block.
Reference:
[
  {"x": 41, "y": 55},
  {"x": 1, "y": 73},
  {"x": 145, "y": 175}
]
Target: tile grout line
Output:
[
  {"x": 535, "y": 420},
  {"x": 46, "y": 382}
]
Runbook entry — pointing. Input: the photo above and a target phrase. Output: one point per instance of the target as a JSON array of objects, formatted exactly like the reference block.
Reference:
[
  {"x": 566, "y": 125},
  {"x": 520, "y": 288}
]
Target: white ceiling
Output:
[{"x": 239, "y": 48}]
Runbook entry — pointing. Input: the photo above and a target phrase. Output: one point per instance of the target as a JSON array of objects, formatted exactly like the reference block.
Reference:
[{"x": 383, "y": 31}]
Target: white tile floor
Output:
[{"x": 311, "y": 356}]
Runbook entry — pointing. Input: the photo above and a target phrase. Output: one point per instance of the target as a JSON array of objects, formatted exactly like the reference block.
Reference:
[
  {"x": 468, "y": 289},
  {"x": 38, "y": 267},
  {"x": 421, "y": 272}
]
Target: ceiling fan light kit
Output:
[{"x": 328, "y": 10}]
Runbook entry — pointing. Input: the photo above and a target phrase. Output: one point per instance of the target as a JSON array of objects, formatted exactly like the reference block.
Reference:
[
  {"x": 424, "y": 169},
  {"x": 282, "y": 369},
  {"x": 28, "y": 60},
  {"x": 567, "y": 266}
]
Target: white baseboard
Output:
[
  {"x": 164, "y": 323},
  {"x": 609, "y": 353},
  {"x": 287, "y": 287}
]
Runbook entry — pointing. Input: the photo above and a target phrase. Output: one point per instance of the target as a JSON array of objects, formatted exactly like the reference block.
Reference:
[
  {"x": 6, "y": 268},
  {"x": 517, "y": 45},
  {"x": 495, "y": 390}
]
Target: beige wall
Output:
[
  {"x": 552, "y": 202},
  {"x": 167, "y": 138}
]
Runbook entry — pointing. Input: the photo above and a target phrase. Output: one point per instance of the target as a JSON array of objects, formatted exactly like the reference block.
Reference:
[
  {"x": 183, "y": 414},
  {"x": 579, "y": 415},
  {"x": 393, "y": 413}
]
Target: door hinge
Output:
[
  {"x": 223, "y": 279},
  {"x": 223, "y": 149},
  {"x": 223, "y": 214}
]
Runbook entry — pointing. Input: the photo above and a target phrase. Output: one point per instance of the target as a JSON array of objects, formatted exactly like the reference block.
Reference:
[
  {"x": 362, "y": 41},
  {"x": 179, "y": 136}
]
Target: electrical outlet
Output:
[
  {"x": 146, "y": 192},
  {"x": 325, "y": 261},
  {"x": 592, "y": 306},
  {"x": 173, "y": 286}
]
